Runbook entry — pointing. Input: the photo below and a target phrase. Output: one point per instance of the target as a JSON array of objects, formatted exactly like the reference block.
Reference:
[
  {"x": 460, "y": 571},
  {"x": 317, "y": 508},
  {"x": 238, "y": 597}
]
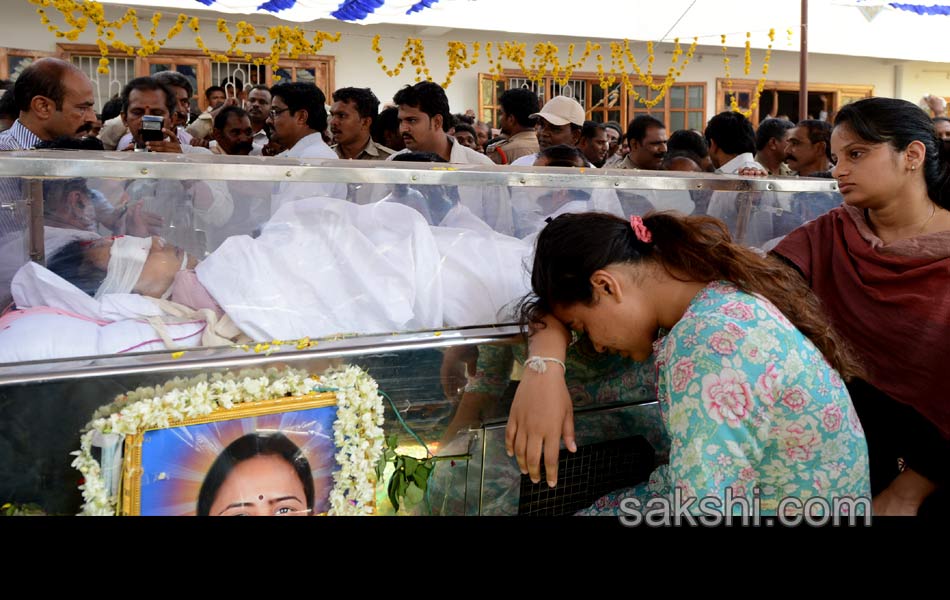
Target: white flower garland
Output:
[{"x": 358, "y": 432}]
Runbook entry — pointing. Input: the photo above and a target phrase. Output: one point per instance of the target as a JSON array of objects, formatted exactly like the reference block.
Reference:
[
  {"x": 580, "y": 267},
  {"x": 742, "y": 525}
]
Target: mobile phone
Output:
[{"x": 152, "y": 129}]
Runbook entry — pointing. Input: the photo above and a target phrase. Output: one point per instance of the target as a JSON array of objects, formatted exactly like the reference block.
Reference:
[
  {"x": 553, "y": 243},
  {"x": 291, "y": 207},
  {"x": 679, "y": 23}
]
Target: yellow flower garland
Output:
[
  {"x": 287, "y": 41},
  {"x": 733, "y": 102}
]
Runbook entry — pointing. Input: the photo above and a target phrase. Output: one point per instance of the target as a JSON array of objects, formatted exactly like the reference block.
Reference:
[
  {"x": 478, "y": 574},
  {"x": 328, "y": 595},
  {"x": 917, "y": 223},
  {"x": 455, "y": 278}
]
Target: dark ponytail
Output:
[
  {"x": 573, "y": 246},
  {"x": 898, "y": 123}
]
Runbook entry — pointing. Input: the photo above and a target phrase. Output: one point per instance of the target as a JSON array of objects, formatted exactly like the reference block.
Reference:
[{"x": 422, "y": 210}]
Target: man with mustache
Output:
[
  {"x": 646, "y": 136},
  {"x": 232, "y": 132},
  {"x": 54, "y": 99},
  {"x": 424, "y": 120},
  {"x": 179, "y": 140},
  {"x": 560, "y": 121},
  {"x": 808, "y": 149},
  {"x": 258, "y": 110},
  {"x": 351, "y": 120}
]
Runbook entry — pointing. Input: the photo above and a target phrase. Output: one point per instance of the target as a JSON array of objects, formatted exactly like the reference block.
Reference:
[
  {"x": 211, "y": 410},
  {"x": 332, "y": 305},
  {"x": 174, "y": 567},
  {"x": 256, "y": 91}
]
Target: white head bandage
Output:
[{"x": 126, "y": 260}]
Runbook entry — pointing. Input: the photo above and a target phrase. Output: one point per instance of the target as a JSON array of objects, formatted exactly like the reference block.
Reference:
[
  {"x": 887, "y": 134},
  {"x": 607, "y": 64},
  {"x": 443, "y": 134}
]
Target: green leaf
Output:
[
  {"x": 414, "y": 495},
  {"x": 421, "y": 476},
  {"x": 392, "y": 441},
  {"x": 380, "y": 468},
  {"x": 411, "y": 464},
  {"x": 403, "y": 486},
  {"x": 394, "y": 490}
]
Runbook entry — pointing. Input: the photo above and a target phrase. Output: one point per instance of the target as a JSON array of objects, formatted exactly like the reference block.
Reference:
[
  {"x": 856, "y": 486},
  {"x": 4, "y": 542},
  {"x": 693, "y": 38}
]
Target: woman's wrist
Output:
[{"x": 549, "y": 340}]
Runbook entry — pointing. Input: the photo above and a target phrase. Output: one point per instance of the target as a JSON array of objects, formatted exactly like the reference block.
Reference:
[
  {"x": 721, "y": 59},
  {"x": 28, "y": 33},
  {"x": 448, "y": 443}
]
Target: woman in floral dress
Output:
[{"x": 748, "y": 372}]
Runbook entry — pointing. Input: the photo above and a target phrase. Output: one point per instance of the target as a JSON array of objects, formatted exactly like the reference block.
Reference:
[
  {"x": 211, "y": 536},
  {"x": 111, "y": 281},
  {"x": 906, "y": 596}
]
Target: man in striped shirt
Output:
[{"x": 54, "y": 99}]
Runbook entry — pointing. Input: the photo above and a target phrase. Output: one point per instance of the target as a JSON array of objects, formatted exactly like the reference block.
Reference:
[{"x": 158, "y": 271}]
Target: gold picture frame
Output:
[{"x": 161, "y": 466}]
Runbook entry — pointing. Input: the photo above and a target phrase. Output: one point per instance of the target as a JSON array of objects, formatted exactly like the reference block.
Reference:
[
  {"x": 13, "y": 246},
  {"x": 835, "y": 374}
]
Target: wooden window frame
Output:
[
  {"x": 838, "y": 92},
  {"x": 591, "y": 79},
  {"x": 6, "y": 53},
  {"x": 203, "y": 64}
]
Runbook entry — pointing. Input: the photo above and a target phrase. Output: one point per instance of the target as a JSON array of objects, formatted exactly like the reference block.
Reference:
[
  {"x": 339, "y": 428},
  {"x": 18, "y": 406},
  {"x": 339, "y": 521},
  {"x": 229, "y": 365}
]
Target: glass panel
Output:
[
  {"x": 307, "y": 75},
  {"x": 16, "y": 64},
  {"x": 614, "y": 116},
  {"x": 284, "y": 73},
  {"x": 487, "y": 85},
  {"x": 488, "y": 115},
  {"x": 695, "y": 120},
  {"x": 678, "y": 96},
  {"x": 745, "y": 100},
  {"x": 154, "y": 68},
  {"x": 640, "y": 95},
  {"x": 677, "y": 121},
  {"x": 662, "y": 103},
  {"x": 597, "y": 97},
  {"x": 695, "y": 95}
]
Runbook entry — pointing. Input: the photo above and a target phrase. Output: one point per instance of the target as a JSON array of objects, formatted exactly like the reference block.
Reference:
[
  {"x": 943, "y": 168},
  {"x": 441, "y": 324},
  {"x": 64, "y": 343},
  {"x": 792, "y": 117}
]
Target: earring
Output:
[{"x": 913, "y": 167}]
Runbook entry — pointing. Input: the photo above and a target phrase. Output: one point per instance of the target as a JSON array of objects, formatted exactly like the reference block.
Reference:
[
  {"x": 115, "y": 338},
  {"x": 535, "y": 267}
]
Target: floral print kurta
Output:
[{"x": 749, "y": 402}]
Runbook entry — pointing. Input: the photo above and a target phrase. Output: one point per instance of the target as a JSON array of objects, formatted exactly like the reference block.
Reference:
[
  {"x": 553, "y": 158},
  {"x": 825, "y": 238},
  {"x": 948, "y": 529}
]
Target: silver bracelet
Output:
[{"x": 538, "y": 364}]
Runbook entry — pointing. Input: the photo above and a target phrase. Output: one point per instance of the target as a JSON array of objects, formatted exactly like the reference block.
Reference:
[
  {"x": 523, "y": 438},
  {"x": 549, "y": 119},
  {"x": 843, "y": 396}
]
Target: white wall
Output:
[{"x": 356, "y": 63}]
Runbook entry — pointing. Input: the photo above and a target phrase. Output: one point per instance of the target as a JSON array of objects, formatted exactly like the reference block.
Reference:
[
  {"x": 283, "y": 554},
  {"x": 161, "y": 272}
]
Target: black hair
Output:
[
  {"x": 212, "y": 89},
  {"x": 112, "y": 108},
  {"x": 259, "y": 86},
  {"x": 615, "y": 126},
  {"x": 387, "y": 120},
  {"x": 563, "y": 155},
  {"x": 175, "y": 79},
  {"x": 463, "y": 118},
  {"x": 732, "y": 132},
  {"x": 298, "y": 95},
  {"x": 428, "y": 97},
  {"x": 898, "y": 123},
  {"x": 770, "y": 129},
  {"x": 521, "y": 103},
  {"x": 148, "y": 84},
  {"x": 689, "y": 141},
  {"x": 590, "y": 129},
  {"x": 68, "y": 142},
  {"x": 668, "y": 159},
  {"x": 221, "y": 119},
  {"x": 233, "y": 81},
  {"x": 70, "y": 264},
  {"x": 8, "y": 107},
  {"x": 419, "y": 157},
  {"x": 468, "y": 128},
  {"x": 247, "y": 447},
  {"x": 44, "y": 77},
  {"x": 818, "y": 131},
  {"x": 573, "y": 246},
  {"x": 637, "y": 129},
  {"x": 367, "y": 104}
]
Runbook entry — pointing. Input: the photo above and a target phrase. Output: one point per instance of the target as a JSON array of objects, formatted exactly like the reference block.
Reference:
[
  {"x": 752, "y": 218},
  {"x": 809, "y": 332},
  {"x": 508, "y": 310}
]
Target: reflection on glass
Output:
[
  {"x": 677, "y": 97},
  {"x": 695, "y": 120},
  {"x": 677, "y": 121},
  {"x": 158, "y": 68},
  {"x": 16, "y": 64},
  {"x": 695, "y": 95}
]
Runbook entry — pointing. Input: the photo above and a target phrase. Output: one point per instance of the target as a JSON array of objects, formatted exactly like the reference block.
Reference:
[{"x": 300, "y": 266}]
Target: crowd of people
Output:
[{"x": 811, "y": 366}]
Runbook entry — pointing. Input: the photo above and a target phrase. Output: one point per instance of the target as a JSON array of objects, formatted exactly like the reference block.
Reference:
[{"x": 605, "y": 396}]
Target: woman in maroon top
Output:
[{"x": 880, "y": 264}]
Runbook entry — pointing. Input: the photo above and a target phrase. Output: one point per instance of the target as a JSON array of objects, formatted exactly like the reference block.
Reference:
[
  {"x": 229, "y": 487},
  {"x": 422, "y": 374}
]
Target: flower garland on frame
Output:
[
  {"x": 287, "y": 41},
  {"x": 620, "y": 54},
  {"x": 357, "y": 431},
  {"x": 733, "y": 101}
]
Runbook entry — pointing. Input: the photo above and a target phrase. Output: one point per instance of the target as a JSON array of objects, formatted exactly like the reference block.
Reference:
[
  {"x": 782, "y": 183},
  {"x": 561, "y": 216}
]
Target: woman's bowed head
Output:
[{"x": 259, "y": 474}]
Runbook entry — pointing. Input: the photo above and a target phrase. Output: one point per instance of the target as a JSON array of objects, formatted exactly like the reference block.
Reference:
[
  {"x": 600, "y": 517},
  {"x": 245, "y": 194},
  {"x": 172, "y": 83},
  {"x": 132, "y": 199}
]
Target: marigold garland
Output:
[
  {"x": 733, "y": 101},
  {"x": 290, "y": 42}
]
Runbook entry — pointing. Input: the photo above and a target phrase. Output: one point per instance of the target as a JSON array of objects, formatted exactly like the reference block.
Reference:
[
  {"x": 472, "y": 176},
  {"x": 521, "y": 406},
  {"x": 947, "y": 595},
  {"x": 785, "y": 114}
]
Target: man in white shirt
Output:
[
  {"x": 424, "y": 121},
  {"x": 299, "y": 116},
  {"x": 181, "y": 88},
  {"x": 560, "y": 121},
  {"x": 748, "y": 215}
]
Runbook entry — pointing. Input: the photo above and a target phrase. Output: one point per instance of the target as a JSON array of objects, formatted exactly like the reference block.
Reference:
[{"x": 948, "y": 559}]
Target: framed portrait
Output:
[{"x": 270, "y": 458}]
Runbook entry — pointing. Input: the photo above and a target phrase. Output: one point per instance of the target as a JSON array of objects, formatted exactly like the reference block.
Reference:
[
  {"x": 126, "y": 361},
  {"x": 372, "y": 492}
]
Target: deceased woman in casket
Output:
[{"x": 319, "y": 267}]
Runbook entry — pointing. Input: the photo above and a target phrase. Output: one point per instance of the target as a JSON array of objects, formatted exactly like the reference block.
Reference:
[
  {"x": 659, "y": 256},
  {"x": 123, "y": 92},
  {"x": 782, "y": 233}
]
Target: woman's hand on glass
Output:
[{"x": 542, "y": 413}]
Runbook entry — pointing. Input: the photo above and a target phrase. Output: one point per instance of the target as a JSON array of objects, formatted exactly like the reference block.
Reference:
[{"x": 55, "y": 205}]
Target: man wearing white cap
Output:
[{"x": 560, "y": 122}]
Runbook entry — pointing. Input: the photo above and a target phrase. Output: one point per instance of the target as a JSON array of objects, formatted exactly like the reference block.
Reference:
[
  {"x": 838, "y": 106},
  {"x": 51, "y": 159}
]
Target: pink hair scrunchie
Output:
[{"x": 643, "y": 234}]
